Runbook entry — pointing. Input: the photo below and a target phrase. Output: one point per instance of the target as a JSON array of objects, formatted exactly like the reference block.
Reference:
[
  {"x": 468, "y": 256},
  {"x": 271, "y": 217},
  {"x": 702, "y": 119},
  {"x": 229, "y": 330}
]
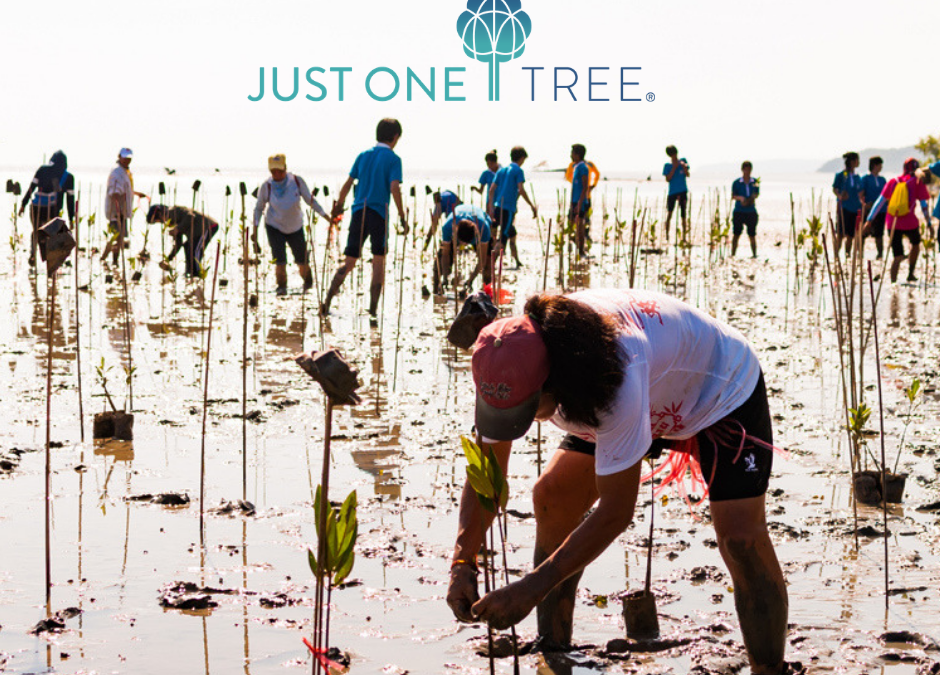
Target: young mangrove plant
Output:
[
  {"x": 337, "y": 531},
  {"x": 488, "y": 481},
  {"x": 912, "y": 394}
]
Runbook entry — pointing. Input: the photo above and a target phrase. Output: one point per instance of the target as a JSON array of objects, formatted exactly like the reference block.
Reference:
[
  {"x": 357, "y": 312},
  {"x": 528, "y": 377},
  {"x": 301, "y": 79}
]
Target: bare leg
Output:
[
  {"x": 378, "y": 281},
  {"x": 912, "y": 262},
  {"x": 880, "y": 246},
  {"x": 753, "y": 246},
  {"x": 306, "y": 275},
  {"x": 337, "y": 283},
  {"x": 515, "y": 252},
  {"x": 895, "y": 267},
  {"x": 734, "y": 244},
  {"x": 561, "y": 497},
  {"x": 760, "y": 592}
]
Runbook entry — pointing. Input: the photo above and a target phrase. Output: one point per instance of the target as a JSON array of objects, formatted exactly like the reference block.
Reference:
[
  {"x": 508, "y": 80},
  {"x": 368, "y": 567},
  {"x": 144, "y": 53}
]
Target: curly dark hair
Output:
[{"x": 586, "y": 362}]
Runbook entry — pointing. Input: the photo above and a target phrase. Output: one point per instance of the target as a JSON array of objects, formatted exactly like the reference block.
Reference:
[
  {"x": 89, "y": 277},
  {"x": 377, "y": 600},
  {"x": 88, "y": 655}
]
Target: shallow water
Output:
[{"x": 399, "y": 449}]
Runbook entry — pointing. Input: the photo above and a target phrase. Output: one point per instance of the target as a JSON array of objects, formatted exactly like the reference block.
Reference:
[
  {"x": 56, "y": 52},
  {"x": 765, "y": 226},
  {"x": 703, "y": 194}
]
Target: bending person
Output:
[
  {"x": 192, "y": 231},
  {"x": 465, "y": 225},
  {"x": 616, "y": 370},
  {"x": 52, "y": 184}
]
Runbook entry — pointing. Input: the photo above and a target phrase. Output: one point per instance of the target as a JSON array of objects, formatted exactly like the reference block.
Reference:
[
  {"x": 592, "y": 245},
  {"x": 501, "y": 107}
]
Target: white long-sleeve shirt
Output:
[
  {"x": 280, "y": 204},
  {"x": 120, "y": 186}
]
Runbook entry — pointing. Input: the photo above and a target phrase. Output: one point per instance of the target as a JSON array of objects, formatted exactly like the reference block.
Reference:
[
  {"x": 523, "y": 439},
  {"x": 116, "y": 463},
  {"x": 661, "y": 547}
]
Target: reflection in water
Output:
[{"x": 289, "y": 337}]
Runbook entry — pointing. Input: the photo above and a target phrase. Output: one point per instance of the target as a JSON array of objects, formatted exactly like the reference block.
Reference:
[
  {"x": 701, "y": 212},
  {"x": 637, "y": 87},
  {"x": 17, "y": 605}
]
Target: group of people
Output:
[{"x": 870, "y": 205}]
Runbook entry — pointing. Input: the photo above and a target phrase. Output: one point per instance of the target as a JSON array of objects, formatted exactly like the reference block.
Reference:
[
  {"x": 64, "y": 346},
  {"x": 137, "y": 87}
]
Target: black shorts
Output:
[
  {"x": 504, "y": 222},
  {"x": 367, "y": 223},
  {"x": 741, "y": 479},
  {"x": 574, "y": 213},
  {"x": 897, "y": 241},
  {"x": 876, "y": 228},
  {"x": 681, "y": 198},
  {"x": 740, "y": 219},
  {"x": 280, "y": 241},
  {"x": 845, "y": 222}
]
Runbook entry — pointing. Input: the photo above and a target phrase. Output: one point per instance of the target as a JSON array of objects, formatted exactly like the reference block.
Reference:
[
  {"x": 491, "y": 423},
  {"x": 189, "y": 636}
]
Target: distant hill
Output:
[{"x": 894, "y": 160}]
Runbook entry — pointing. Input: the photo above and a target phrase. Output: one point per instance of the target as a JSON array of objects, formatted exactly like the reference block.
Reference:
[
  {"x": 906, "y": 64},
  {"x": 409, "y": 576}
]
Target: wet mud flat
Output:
[{"x": 133, "y": 591}]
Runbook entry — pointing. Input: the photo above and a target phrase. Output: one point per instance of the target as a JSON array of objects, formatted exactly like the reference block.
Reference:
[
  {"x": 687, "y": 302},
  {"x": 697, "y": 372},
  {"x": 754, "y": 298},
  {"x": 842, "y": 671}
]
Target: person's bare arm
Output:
[
  {"x": 525, "y": 196},
  {"x": 672, "y": 171},
  {"x": 473, "y": 522},
  {"x": 340, "y": 204},
  {"x": 396, "y": 196},
  {"x": 509, "y": 605}
]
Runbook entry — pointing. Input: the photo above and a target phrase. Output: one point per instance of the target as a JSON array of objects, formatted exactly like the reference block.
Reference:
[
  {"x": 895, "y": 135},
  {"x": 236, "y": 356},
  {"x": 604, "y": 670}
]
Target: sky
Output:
[{"x": 803, "y": 79}]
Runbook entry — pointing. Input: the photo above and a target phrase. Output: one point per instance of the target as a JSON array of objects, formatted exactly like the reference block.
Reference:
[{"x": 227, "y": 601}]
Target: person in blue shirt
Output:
[
  {"x": 580, "y": 196},
  {"x": 872, "y": 185},
  {"x": 745, "y": 191},
  {"x": 508, "y": 186},
  {"x": 486, "y": 178},
  {"x": 847, "y": 187},
  {"x": 676, "y": 171},
  {"x": 378, "y": 172},
  {"x": 464, "y": 225}
]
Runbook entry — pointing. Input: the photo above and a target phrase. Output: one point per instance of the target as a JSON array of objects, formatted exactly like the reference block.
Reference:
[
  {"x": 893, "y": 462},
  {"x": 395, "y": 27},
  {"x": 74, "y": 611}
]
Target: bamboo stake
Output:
[
  {"x": 205, "y": 406},
  {"x": 78, "y": 330},
  {"x": 245, "y": 279},
  {"x": 48, "y": 468},
  {"x": 881, "y": 415}
]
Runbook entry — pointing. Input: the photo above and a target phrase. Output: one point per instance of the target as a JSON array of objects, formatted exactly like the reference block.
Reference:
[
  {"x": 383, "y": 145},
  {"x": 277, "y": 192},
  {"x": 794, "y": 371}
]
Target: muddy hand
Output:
[
  {"x": 462, "y": 592},
  {"x": 506, "y": 606}
]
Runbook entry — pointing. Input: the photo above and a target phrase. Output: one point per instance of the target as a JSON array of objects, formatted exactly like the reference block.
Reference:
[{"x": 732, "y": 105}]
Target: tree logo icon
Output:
[{"x": 494, "y": 31}]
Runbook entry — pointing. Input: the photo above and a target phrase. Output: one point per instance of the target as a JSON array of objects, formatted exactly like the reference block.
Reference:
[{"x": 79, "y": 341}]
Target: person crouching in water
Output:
[
  {"x": 279, "y": 201},
  {"x": 191, "y": 231},
  {"x": 617, "y": 369},
  {"x": 465, "y": 224}
]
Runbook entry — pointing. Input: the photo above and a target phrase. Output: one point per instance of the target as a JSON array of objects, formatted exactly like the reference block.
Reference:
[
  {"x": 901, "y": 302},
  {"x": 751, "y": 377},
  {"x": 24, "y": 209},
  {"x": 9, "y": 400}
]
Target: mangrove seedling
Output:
[
  {"x": 337, "y": 544},
  {"x": 488, "y": 481},
  {"x": 912, "y": 394}
]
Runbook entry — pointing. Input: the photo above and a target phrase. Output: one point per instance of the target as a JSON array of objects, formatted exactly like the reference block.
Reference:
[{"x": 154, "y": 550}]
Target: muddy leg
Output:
[
  {"x": 561, "y": 497},
  {"x": 337, "y": 283},
  {"x": 753, "y": 246},
  {"x": 912, "y": 262},
  {"x": 378, "y": 281},
  {"x": 895, "y": 267},
  {"x": 306, "y": 275},
  {"x": 760, "y": 592},
  {"x": 734, "y": 244}
]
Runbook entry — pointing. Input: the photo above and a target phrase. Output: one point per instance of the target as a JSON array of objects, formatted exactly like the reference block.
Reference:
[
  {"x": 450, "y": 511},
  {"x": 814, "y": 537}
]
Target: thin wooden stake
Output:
[
  {"x": 48, "y": 469},
  {"x": 881, "y": 415},
  {"x": 205, "y": 406}
]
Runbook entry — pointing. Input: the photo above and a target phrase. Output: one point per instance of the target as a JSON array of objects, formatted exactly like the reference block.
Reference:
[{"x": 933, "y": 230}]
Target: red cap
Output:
[{"x": 510, "y": 365}]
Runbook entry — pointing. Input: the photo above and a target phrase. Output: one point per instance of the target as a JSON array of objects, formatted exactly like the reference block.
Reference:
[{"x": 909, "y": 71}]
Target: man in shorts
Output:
[
  {"x": 847, "y": 187},
  {"x": 676, "y": 171},
  {"x": 872, "y": 185},
  {"x": 508, "y": 186},
  {"x": 745, "y": 191}
]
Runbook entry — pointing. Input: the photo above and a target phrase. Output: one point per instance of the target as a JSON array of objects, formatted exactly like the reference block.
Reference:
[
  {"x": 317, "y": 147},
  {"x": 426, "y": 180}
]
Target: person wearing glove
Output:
[
  {"x": 279, "y": 201},
  {"x": 378, "y": 172}
]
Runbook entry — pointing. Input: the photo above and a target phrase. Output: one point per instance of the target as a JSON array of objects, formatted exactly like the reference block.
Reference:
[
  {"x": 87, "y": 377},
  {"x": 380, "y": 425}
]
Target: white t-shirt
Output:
[
  {"x": 283, "y": 204},
  {"x": 684, "y": 371}
]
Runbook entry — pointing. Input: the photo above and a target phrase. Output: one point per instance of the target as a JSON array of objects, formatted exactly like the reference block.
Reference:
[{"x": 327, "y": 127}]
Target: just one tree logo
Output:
[{"x": 494, "y": 32}]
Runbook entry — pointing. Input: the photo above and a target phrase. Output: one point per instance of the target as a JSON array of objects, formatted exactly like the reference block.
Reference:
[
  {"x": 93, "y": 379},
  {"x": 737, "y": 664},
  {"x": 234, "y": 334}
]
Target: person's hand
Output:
[
  {"x": 462, "y": 592},
  {"x": 164, "y": 265},
  {"x": 22, "y": 209},
  {"x": 505, "y": 606},
  {"x": 403, "y": 228},
  {"x": 337, "y": 211},
  {"x": 535, "y": 211}
]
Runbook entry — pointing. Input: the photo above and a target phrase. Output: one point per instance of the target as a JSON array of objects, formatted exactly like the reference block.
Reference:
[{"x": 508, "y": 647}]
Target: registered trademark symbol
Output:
[{"x": 651, "y": 97}]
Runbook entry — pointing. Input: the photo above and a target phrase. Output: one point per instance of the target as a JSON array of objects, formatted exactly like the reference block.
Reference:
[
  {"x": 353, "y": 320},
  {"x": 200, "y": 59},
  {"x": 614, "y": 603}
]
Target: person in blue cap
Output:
[
  {"x": 847, "y": 187},
  {"x": 52, "y": 185},
  {"x": 464, "y": 225}
]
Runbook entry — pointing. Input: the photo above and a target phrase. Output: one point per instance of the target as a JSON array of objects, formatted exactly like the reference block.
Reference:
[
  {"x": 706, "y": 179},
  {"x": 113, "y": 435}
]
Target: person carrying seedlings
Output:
[
  {"x": 847, "y": 187},
  {"x": 464, "y": 225},
  {"x": 900, "y": 195},
  {"x": 620, "y": 370},
  {"x": 502, "y": 205},
  {"x": 744, "y": 191},
  {"x": 192, "y": 231},
  {"x": 279, "y": 201},
  {"x": 676, "y": 171},
  {"x": 52, "y": 184},
  {"x": 486, "y": 178},
  {"x": 872, "y": 185},
  {"x": 119, "y": 204},
  {"x": 580, "y": 196},
  {"x": 379, "y": 174}
]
